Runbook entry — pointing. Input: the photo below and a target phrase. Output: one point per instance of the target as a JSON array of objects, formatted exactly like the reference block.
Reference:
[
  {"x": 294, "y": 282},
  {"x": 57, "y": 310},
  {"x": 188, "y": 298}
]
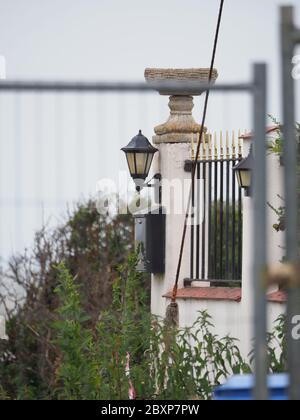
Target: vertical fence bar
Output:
[
  {"x": 192, "y": 217},
  {"x": 233, "y": 215},
  {"x": 38, "y": 138},
  {"x": 19, "y": 165},
  {"x": 59, "y": 151},
  {"x": 240, "y": 233},
  {"x": 39, "y": 156},
  {"x": 203, "y": 240},
  {"x": 81, "y": 147},
  {"x": 227, "y": 205},
  {"x": 291, "y": 202},
  {"x": 2, "y": 242},
  {"x": 210, "y": 266},
  {"x": 215, "y": 209},
  {"x": 259, "y": 231},
  {"x": 198, "y": 222},
  {"x": 192, "y": 227},
  {"x": 221, "y": 205},
  {"x": 240, "y": 216}
]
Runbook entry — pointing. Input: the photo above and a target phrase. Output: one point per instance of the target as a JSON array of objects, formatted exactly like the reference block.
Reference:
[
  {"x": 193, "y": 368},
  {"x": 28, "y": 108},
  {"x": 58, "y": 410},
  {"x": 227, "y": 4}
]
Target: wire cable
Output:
[{"x": 194, "y": 166}]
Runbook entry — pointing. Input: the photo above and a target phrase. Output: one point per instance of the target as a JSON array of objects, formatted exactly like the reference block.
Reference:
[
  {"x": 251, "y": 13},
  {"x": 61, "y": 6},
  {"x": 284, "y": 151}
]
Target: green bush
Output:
[
  {"x": 168, "y": 364},
  {"x": 92, "y": 247},
  {"x": 165, "y": 364},
  {"x": 277, "y": 346},
  {"x": 77, "y": 372},
  {"x": 68, "y": 340}
]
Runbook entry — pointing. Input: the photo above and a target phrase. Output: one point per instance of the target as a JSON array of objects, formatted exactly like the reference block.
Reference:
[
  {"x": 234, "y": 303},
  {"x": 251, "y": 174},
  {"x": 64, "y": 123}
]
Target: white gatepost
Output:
[{"x": 174, "y": 139}]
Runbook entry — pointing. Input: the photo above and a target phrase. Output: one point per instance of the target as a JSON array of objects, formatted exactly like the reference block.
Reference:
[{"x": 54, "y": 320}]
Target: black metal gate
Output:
[{"x": 216, "y": 220}]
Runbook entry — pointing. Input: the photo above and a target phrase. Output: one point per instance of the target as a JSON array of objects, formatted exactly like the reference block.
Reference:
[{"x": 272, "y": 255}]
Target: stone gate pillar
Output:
[{"x": 174, "y": 139}]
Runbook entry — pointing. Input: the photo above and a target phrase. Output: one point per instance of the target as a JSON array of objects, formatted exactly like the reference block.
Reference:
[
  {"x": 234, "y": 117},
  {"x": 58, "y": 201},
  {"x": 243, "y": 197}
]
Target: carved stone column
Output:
[{"x": 181, "y": 123}]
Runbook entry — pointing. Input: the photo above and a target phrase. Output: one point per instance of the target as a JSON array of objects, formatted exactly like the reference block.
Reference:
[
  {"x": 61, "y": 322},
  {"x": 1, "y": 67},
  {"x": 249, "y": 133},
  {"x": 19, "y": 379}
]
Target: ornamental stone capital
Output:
[{"x": 181, "y": 125}]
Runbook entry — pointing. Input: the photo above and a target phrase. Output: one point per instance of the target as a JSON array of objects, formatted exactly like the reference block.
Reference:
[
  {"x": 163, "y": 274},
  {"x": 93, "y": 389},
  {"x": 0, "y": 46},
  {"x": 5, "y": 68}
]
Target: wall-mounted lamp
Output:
[
  {"x": 139, "y": 154},
  {"x": 150, "y": 228},
  {"x": 243, "y": 172}
]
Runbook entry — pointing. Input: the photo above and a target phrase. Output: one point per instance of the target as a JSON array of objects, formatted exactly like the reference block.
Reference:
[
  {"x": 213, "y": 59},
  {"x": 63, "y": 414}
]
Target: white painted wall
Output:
[
  {"x": 275, "y": 191},
  {"x": 229, "y": 317},
  {"x": 170, "y": 164}
]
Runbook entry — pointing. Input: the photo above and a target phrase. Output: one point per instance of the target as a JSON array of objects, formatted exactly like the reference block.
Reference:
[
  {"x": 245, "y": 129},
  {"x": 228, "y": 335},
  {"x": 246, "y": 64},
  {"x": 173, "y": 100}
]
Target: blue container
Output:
[{"x": 241, "y": 388}]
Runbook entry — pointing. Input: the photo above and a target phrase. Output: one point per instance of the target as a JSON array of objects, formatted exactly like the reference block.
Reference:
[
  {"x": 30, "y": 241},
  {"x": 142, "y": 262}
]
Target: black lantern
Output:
[
  {"x": 139, "y": 155},
  {"x": 243, "y": 172}
]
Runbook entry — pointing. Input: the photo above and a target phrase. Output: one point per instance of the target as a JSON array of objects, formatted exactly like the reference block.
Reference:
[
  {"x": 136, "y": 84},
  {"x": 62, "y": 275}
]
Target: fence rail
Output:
[{"x": 257, "y": 89}]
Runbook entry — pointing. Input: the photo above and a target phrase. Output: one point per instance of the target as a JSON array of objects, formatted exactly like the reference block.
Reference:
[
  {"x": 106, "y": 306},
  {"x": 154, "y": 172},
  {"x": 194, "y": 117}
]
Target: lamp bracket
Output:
[
  {"x": 157, "y": 177},
  {"x": 157, "y": 185}
]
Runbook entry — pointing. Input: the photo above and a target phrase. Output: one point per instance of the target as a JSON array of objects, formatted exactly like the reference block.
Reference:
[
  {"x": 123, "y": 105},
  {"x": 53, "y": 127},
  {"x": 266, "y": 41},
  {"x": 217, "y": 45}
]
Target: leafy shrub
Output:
[
  {"x": 63, "y": 346},
  {"x": 277, "y": 346},
  {"x": 92, "y": 246},
  {"x": 76, "y": 372},
  {"x": 165, "y": 364}
]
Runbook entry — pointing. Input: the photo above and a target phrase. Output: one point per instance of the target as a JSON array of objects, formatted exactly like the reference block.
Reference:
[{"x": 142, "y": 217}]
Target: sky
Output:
[
  {"x": 117, "y": 39},
  {"x": 113, "y": 40}
]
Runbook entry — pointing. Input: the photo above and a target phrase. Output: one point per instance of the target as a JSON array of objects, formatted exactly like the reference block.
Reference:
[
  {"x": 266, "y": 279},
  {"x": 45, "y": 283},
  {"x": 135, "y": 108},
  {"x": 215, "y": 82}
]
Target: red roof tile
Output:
[
  {"x": 269, "y": 130},
  {"x": 277, "y": 297},
  {"x": 209, "y": 293},
  {"x": 222, "y": 294}
]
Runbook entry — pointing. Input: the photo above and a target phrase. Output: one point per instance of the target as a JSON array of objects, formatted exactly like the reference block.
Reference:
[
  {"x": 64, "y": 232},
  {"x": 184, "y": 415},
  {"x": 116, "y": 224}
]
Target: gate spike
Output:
[
  {"x": 240, "y": 145},
  {"x": 204, "y": 147},
  {"x": 221, "y": 145},
  {"x": 193, "y": 153},
  {"x": 200, "y": 157},
  {"x": 233, "y": 145},
  {"x": 227, "y": 145},
  {"x": 210, "y": 146},
  {"x": 215, "y": 146}
]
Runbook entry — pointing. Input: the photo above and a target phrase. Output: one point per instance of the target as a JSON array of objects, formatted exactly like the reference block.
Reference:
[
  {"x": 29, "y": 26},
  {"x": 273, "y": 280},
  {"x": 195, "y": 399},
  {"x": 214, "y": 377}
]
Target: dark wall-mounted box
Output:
[{"x": 150, "y": 240}]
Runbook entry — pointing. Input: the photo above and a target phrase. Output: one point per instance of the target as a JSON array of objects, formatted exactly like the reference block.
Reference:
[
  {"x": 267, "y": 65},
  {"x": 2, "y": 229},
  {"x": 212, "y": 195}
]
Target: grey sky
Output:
[{"x": 116, "y": 40}]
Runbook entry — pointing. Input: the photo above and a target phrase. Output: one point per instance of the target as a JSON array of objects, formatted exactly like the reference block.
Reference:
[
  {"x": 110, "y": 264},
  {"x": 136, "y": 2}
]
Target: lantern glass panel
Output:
[
  {"x": 149, "y": 162},
  {"x": 141, "y": 161},
  {"x": 131, "y": 162},
  {"x": 244, "y": 178}
]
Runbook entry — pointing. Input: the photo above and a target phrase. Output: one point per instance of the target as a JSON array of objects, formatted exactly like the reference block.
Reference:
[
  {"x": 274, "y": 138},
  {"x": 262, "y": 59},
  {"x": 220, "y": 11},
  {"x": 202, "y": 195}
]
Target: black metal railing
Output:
[{"x": 216, "y": 218}]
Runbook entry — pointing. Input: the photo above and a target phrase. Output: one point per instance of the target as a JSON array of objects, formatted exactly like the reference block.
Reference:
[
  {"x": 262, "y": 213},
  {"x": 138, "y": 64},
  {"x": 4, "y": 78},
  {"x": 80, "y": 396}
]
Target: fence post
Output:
[
  {"x": 259, "y": 224},
  {"x": 288, "y": 42}
]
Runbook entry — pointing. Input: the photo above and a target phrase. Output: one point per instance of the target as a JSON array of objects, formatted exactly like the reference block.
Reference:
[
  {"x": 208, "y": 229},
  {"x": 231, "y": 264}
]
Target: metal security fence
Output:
[
  {"x": 257, "y": 88},
  {"x": 216, "y": 228},
  {"x": 57, "y": 140}
]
